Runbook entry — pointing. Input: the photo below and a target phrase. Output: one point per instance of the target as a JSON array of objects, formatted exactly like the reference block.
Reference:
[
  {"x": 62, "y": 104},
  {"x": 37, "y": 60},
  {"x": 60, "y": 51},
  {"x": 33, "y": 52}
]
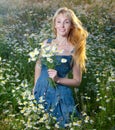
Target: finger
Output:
[
  {"x": 50, "y": 69},
  {"x": 52, "y": 72}
]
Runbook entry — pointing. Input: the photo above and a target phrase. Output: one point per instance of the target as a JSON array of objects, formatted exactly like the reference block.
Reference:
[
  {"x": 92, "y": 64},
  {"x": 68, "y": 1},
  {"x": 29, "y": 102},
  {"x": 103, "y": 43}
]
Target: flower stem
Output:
[{"x": 52, "y": 82}]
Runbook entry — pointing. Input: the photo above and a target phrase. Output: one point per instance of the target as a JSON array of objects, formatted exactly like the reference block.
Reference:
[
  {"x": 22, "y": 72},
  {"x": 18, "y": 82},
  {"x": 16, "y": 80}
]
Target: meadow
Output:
[{"x": 25, "y": 24}]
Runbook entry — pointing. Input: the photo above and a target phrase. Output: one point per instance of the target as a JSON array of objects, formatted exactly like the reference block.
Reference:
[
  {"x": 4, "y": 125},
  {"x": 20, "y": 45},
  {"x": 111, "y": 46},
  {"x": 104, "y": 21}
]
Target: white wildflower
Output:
[
  {"x": 98, "y": 99},
  {"x": 84, "y": 113},
  {"x": 56, "y": 125},
  {"x": 41, "y": 100},
  {"x": 47, "y": 48},
  {"x": 32, "y": 35},
  {"x": 45, "y": 116},
  {"x": 25, "y": 102},
  {"x": 78, "y": 123},
  {"x": 45, "y": 54},
  {"x": 48, "y": 127},
  {"x": 22, "y": 111},
  {"x": 107, "y": 88},
  {"x": 41, "y": 106},
  {"x": 13, "y": 91},
  {"x": 71, "y": 128},
  {"x": 68, "y": 125},
  {"x": 107, "y": 100},
  {"x": 98, "y": 80},
  {"x": 54, "y": 48},
  {"x": 50, "y": 60},
  {"x": 105, "y": 96},
  {"x": 109, "y": 118},
  {"x": 41, "y": 120},
  {"x": 102, "y": 108},
  {"x": 26, "y": 35},
  {"x": 86, "y": 97},
  {"x": 41, "y": 44},
  {"x": 33, "y": 54},
  {"x": 91, "y": 121},
  {"x": 63, "y": 60},
  {"x": 86, "y": 119}
]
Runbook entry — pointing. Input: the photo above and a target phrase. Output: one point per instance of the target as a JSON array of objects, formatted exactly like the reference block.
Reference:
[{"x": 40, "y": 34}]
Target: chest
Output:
[{"x": 65, "y": 49}]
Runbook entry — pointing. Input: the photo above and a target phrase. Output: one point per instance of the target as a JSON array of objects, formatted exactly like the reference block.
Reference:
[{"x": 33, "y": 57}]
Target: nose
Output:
[{"x": 62, "y": 24}]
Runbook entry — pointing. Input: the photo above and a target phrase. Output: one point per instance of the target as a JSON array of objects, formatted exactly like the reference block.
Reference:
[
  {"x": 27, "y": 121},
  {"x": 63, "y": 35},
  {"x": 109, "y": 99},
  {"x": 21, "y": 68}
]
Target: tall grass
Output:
[{"x": 23, "y": 26}]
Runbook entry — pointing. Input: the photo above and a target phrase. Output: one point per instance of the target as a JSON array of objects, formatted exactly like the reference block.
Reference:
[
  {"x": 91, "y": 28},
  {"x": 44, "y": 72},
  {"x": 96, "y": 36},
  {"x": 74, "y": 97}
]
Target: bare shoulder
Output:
[
  {"x": 71, "y": 48},
  {"x": 45, "y": 41}
]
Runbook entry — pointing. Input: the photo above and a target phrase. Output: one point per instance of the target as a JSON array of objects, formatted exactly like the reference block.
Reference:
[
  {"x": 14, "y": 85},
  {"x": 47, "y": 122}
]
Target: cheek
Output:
[
  {"x": 56, "y": 25},
  {"x": 68, "y": 29}
]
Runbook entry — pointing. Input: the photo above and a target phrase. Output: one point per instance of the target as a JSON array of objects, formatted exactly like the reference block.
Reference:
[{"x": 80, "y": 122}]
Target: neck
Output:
[{"x": 62, "y": 40}]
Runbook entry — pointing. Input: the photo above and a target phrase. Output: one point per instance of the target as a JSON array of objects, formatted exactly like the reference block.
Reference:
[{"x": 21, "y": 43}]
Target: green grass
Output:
[{"x": 22, "y": 29}]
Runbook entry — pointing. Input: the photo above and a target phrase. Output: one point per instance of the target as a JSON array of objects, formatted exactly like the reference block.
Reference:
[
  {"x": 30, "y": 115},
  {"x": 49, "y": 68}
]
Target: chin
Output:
[{"x": 63, "y": 34}]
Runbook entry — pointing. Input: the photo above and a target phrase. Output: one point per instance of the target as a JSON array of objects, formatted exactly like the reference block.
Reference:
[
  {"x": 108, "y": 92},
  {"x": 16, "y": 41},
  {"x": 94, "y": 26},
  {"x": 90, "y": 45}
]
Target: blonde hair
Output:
[{"x": 77, "y": 36}]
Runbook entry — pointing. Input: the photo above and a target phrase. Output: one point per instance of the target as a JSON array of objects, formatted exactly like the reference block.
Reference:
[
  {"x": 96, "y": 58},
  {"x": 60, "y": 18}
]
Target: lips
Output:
[{"x": 62, "y": 30}]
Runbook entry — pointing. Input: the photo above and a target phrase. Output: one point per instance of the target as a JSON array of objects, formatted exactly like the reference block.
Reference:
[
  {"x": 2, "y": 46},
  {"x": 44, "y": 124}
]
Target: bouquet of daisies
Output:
[
  {"x": 47, "y": 55},
  {"x": 48, "y": 58}
]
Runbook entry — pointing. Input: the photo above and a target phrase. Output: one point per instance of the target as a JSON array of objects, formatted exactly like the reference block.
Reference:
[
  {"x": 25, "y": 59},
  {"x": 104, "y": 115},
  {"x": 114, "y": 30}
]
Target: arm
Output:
[
  {"x": 75, "y": 81},
  {"x": 37, "y": 71},
  {"x": 38, "y": 66}
]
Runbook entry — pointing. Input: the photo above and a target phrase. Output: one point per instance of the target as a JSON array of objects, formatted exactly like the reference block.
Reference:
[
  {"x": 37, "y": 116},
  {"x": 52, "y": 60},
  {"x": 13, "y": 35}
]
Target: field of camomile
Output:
[{"x": 23, "y": 26}]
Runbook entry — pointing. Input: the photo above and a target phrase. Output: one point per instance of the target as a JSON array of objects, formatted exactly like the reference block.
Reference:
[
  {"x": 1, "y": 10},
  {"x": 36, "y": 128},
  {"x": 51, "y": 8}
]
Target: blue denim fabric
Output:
[{"x": 60, "y": 99}]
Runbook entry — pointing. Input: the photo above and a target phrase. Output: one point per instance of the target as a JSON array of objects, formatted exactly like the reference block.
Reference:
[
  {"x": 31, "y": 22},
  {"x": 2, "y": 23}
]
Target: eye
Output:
[
  {"x": 58, "y": 21},
  {"x": 67, "y": 21}
]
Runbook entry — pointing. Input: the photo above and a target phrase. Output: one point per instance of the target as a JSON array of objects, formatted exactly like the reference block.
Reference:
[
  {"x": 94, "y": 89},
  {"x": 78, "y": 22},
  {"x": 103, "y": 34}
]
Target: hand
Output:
[
  {"x": 33, "y": 91},
  {"x": 52, "y": 73}
]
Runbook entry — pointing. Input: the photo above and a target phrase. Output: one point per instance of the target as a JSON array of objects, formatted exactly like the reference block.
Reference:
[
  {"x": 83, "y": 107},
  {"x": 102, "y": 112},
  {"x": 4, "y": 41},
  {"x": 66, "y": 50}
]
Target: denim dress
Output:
[{"x": 59, "y": 99}]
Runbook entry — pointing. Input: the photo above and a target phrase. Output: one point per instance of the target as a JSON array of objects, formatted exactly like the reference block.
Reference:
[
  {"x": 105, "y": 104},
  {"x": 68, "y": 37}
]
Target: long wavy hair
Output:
[{"x": 77, "y": 36}]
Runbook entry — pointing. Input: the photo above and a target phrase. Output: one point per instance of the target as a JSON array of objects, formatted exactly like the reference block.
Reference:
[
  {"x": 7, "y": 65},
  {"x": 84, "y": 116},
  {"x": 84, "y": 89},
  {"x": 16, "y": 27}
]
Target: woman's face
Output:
[{"x": 62, "y": 25}]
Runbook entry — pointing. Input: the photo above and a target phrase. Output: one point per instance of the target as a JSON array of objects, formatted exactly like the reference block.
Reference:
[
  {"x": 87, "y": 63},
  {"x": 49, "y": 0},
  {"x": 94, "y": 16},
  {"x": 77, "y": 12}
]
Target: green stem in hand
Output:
[{"x": 52, "y": 82}]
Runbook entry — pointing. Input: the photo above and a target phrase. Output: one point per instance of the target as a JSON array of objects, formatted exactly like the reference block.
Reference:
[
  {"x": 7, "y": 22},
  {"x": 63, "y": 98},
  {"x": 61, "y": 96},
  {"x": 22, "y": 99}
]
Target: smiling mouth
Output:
[{"x": 61, "y": 30}]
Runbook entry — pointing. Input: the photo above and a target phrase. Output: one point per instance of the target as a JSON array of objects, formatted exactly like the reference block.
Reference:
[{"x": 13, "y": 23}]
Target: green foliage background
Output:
[{"x": 23, "y": 25}]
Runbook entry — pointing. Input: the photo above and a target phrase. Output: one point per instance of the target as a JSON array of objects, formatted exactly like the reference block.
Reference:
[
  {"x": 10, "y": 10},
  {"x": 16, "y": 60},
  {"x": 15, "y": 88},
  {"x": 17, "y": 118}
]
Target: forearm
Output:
[
  {"x": 68, "y": 82},
  {"x": 37, "y": 71}
]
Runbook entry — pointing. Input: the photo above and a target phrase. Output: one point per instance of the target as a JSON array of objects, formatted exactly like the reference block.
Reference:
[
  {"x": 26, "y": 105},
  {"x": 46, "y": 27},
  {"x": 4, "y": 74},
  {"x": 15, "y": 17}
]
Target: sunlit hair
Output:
[{"x": 77, "y": 35}]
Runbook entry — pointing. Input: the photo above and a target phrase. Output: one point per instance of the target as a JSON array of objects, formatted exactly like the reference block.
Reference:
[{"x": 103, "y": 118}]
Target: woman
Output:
[{"x": 71, "y": 38}]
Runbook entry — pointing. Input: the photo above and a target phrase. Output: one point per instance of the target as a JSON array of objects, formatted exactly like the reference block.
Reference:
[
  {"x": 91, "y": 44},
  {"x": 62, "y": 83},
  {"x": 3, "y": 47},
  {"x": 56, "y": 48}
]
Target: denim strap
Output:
[{"x": 49, "y": 40}]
